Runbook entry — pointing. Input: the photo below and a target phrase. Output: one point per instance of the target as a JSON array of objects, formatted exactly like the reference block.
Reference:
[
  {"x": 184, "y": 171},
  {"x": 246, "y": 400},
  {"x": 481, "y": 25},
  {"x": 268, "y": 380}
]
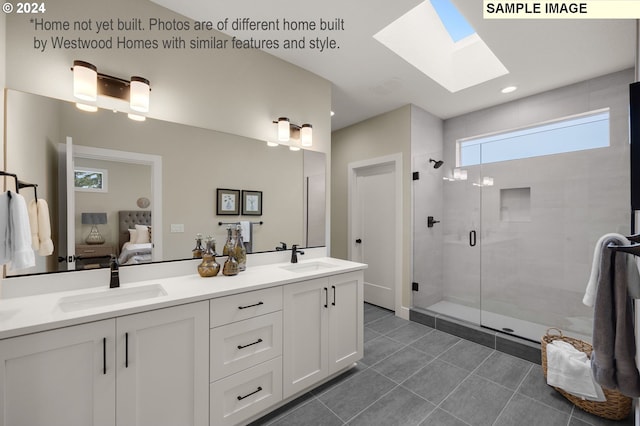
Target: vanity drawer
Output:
[
  {"x": 245, "y": 394},
  {"x": 244, "y": 344},
  {"x": 238, "y": 307}
]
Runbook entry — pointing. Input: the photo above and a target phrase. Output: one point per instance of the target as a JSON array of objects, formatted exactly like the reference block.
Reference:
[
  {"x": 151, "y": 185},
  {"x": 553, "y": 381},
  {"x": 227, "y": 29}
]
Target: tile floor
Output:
[{"x": 412, "y": 374}]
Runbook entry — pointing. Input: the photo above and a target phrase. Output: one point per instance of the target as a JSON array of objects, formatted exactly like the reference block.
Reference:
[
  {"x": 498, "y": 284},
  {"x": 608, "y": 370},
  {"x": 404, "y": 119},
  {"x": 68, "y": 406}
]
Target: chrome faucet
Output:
[
  {"x": 294, "y": 253},
  {"x": 115, "y": 273}
]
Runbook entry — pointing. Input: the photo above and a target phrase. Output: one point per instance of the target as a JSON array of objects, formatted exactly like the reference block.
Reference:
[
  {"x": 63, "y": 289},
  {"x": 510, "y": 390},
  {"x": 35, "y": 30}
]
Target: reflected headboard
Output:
[{"x": 128, "y": 219}]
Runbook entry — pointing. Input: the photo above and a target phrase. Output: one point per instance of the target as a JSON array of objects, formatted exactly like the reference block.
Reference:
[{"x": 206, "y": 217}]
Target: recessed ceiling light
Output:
[
  {"x": 509, "y": 89},
  {"x": 333, "y": 113}
]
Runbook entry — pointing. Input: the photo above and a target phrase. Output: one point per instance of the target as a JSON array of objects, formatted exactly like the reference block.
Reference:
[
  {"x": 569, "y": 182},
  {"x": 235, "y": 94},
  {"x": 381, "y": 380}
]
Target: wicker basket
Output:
[{"x": 616, "y": 407}]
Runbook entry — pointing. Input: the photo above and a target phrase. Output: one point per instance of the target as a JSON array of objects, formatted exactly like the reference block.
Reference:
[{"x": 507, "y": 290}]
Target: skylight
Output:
[
  {"x": 420, "y": 38},
  {"x": 455, "y": 24}
]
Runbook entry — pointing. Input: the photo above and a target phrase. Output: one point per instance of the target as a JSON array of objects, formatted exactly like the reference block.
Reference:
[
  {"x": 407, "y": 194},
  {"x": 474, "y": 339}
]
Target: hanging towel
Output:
[
  {"x": 590, "y": 293},
  {"x": 245, "y": 226},
  {"x": 613, "y": 357},
  {"x": 44, "y": 229},
  {"x": 570, "y": 369},
  {"x": 32, "y": 208},
  {"x": 22, "y": 255},
  {"x": 5, "y": 243}
]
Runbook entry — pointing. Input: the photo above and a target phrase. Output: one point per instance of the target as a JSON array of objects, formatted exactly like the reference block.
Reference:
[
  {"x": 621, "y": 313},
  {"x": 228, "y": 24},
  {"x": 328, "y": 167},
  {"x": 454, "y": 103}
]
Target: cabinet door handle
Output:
[
  {"x": 326, "y": 297},
  {"x": 126, "y": 350},
  {"x": 251, "y": 306},
  {"x": 334, "y": 295},
  {"x": 104, "y": 355},
  {"x": 250, "y": 344},
  {"x": 472, "y": 238},
  {"x": 240, "y": 398}
]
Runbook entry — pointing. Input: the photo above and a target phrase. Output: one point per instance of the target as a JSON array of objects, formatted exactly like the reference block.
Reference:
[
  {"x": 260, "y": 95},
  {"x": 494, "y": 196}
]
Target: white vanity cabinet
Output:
[
  {"x": 246, "y": 355},
  {"x": 153, "y": 364},
  {"x": 323, "y": 329},
  {"x": 162, "y": 362},
  {"x": 59, "y": 377}
]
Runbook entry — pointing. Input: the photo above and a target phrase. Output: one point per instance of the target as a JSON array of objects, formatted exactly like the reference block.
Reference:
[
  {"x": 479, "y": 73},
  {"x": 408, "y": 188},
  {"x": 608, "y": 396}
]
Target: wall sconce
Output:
[
  {"x": 88, "y": 83},
  {"x": 288, "y": 130}
]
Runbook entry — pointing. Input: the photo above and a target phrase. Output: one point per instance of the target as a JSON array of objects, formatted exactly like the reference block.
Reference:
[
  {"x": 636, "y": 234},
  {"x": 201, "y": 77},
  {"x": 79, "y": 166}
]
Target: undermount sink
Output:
[
  {"x": 108, "y": 297},
  {"x": 307, "y": 266}
]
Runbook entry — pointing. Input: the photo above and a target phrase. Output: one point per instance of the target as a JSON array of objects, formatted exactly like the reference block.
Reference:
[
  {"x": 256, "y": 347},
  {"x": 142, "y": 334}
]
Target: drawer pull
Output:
[
  {"x": 250, "y": 344},
  {"x": 251, "y": 306},
  {"x": 240, "y": 398}
]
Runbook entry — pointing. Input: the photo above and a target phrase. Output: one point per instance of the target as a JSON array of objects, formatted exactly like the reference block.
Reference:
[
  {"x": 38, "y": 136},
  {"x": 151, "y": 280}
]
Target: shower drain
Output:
[{"x": 507, "y": 330}]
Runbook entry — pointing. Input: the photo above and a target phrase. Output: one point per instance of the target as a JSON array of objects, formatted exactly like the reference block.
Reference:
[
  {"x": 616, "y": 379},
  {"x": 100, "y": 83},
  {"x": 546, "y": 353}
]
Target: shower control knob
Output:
[{"x": 358, "y": 241}]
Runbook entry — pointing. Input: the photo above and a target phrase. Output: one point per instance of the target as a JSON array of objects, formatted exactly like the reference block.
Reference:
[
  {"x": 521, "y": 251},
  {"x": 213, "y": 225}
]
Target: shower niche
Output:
[{"x": 515, "y": 205}]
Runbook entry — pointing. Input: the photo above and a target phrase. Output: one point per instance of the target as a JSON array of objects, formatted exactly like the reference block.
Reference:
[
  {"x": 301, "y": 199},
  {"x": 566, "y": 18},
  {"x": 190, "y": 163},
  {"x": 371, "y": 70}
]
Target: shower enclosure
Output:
[{"x": 515, "y": 242}]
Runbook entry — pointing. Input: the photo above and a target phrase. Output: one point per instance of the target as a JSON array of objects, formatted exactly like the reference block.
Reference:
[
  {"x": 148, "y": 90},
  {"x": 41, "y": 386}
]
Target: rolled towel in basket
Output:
[{"x": 570, "y": 369}]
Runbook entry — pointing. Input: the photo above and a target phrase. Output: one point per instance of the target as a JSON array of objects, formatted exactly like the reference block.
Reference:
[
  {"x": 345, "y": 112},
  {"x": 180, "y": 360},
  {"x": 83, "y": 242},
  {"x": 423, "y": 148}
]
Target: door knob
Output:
[{"x": 358, "y": 241}]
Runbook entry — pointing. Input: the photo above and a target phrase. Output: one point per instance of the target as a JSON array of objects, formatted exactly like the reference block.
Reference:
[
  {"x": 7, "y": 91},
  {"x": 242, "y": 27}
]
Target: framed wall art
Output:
[
  {"x": 252, "y": 203},
  {"x": 227, "y": 201}
]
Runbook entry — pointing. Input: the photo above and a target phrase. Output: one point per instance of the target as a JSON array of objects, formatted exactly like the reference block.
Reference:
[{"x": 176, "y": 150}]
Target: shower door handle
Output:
[{"x": 472, "y": 238}]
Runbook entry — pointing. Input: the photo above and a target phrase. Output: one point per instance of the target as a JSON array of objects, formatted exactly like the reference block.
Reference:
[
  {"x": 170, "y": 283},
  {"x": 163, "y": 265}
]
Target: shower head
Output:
[{"x": 436, "y": 164}]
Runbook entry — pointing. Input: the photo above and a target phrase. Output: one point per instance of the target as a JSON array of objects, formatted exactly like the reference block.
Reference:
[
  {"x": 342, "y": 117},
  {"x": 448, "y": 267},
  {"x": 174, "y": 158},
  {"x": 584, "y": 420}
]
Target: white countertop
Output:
[{"x": 34, "y": 313}]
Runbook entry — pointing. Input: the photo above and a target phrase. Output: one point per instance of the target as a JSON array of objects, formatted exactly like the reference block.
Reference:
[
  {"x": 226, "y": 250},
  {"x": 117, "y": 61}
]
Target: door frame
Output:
[
  {"x": 395, "y": 161},
  {"x": 152, "y": 160}
]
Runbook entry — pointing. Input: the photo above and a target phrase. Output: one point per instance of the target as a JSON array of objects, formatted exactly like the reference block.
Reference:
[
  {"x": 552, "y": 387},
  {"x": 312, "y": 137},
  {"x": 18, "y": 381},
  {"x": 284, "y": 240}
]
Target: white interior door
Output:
[{"x": 373, "y": 231}]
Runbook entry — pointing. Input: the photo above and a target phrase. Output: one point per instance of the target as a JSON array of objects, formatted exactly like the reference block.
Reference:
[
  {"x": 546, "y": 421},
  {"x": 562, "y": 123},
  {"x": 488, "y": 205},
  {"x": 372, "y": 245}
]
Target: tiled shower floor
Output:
[{"x": 412, "y": 374}]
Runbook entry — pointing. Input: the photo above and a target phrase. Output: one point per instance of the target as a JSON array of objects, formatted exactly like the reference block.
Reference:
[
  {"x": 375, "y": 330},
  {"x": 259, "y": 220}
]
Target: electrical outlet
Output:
[{"x": 177, "y": 227}]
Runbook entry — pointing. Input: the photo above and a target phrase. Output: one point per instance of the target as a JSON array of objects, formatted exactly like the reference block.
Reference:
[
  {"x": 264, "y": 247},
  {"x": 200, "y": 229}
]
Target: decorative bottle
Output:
[
  {"x": 240, "y": 250},
  {"x": 198, "y": 250},
  {"x": 229, "y": 244},
  {"x": 230, "y": 267},
  {"x": 209, "y": 267}
]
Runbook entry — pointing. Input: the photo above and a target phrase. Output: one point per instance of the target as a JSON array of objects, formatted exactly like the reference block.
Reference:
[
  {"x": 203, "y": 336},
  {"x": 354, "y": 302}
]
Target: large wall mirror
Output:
[{"x": 172, "y": 168}]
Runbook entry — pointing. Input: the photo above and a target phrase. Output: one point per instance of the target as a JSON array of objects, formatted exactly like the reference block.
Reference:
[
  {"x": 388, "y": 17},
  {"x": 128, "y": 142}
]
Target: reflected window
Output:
[
  {"x": 91, "y": 180},
  {"x": 576, "y": 133}
]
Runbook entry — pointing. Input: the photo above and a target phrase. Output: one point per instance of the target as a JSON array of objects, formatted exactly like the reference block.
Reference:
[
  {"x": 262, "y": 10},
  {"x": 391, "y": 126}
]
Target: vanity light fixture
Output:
[
  {"x": 287, "y": 130},
  {"x": 284, "y": 132},
  {"x": 88, "y": 83},
  {"x": 306, "y": 135},
  {"x": 139, "y": 94},
  {"x": 85, "y": 81}
]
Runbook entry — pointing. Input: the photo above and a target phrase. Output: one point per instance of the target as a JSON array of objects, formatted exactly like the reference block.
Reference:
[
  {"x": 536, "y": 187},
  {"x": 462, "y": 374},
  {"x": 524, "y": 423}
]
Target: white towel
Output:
[
  {"x": 22, "y": 255},
  {"x": 32, "y": 208},
  {"x": 570, "y": 369},
  {"x": 5, "y": 243},
  {"x": 44, "y": 229},
  {"x": 592, "y": 285},
  {"x": 245, "y": 227}
]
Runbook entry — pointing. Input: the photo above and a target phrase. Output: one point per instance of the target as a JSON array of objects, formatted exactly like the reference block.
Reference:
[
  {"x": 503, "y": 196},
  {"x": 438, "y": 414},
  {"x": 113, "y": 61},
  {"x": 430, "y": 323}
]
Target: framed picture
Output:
[
  {"x": 228, "y": 201},
  {"x": 252, "y": 203}
]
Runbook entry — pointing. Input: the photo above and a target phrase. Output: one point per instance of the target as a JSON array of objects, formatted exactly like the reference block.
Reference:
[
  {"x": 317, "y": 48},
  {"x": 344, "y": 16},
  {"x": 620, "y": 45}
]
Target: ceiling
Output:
[{"x": 369, "y": 79}]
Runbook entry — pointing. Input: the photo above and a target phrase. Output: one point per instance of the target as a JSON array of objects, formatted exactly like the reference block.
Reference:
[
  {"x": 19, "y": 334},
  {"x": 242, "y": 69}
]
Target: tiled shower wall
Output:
[{"x": 534, "y": 262}]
